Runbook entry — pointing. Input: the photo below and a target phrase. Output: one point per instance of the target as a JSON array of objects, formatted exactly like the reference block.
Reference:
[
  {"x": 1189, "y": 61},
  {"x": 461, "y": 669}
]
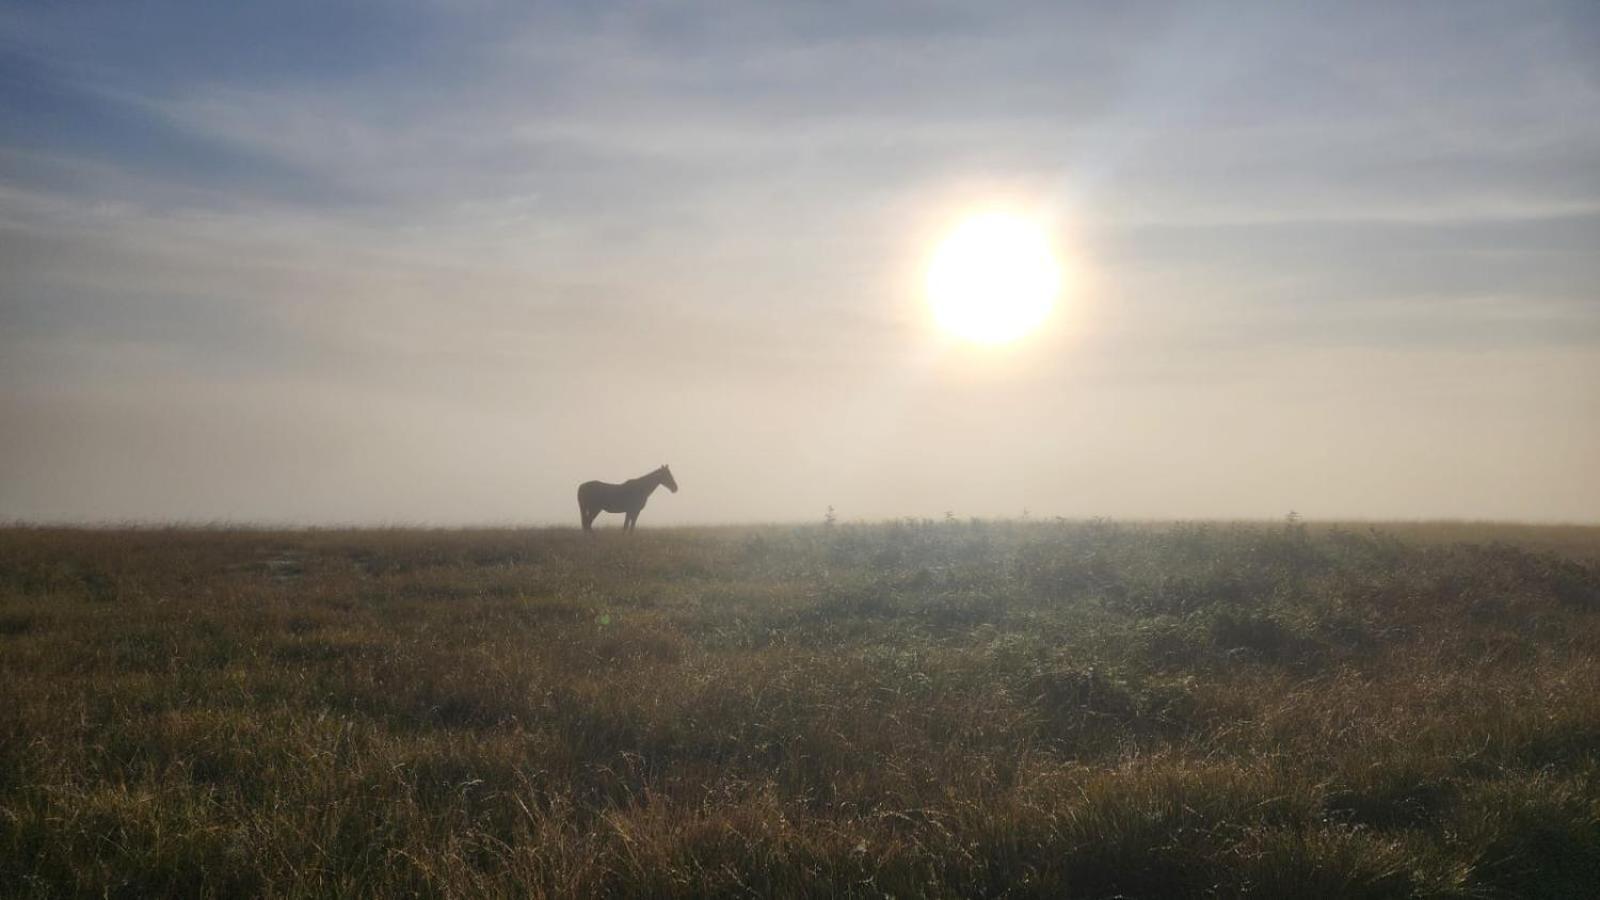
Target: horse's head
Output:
[{"x": 666, "y": 479}]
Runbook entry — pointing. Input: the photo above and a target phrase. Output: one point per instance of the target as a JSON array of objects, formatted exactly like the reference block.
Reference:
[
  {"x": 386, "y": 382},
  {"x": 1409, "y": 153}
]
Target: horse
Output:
[{"x": 626, "y": 498}]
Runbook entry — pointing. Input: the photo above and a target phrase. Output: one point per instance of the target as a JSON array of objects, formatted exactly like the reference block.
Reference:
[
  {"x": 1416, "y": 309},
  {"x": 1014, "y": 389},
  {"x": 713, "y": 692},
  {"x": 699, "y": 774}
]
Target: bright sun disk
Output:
[{"x": 994, "y": 278}]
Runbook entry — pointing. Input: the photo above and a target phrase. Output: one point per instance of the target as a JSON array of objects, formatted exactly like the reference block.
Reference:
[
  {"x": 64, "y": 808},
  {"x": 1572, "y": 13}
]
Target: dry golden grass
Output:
[{"x": 913, "y": 708}]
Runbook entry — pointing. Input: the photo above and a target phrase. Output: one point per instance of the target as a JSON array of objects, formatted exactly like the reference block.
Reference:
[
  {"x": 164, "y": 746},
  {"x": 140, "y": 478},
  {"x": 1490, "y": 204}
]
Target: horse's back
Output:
[{"x": 591, "y": 491}]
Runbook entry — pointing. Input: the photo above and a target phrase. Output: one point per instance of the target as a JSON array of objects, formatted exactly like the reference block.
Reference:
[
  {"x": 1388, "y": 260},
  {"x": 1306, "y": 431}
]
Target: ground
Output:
[{"x": 951, "y": 708}]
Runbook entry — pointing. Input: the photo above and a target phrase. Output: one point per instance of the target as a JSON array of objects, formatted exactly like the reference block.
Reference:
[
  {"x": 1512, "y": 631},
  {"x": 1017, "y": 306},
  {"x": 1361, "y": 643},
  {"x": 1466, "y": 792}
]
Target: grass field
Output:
[{"x": 1080, "y": 709}]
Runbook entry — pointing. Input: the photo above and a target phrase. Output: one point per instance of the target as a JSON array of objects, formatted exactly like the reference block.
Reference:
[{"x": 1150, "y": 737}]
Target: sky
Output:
[{"x": 438, "y": 262}]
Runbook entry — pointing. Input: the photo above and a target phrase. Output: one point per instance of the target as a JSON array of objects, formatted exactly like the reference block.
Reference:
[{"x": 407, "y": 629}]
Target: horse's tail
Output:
[{"x": 585, "y": 506}]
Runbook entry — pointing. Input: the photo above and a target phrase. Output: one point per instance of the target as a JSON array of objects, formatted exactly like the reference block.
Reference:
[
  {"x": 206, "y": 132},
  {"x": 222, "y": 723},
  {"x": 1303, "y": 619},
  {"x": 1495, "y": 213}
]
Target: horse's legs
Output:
[
  {"x": 588, "y": 517},
  {"x": 631, "y": 520}
]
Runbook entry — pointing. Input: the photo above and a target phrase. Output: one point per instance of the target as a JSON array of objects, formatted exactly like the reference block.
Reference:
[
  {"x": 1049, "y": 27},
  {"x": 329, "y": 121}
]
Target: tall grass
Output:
[{"x": 911, "y": 708}]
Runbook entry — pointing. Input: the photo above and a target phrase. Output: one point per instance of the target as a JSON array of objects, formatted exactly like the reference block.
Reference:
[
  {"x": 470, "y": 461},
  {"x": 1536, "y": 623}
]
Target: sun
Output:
[{"x": 994, "y": 278}]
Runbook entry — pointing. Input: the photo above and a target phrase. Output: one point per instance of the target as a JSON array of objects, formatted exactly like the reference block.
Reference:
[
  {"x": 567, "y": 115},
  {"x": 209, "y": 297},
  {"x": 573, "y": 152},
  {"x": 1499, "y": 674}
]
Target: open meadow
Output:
[{"x": 953, "y": 708}]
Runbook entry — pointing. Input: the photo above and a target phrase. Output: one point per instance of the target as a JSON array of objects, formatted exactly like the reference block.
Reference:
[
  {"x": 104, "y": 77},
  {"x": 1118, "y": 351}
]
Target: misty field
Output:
[{"x": 952, "y": 708}]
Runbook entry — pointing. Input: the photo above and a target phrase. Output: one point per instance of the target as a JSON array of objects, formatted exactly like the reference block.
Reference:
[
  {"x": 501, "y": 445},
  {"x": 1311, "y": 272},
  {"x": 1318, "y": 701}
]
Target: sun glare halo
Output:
[{"x": 993, "y": 278}]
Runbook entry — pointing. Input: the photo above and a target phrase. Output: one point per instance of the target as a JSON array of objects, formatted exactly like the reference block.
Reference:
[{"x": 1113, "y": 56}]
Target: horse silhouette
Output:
[{"x": 595, "y": 497}]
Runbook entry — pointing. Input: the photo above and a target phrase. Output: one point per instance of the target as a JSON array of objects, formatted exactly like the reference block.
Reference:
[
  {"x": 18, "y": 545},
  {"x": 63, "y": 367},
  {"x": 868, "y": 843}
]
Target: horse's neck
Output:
[{"x": 648, "y": 483}]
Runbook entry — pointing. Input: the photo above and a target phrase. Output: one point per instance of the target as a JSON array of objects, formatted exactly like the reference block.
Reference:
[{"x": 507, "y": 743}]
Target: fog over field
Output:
[
  {"x": 412, "y": 263},
  {"x": 1022, "y": 449}
]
